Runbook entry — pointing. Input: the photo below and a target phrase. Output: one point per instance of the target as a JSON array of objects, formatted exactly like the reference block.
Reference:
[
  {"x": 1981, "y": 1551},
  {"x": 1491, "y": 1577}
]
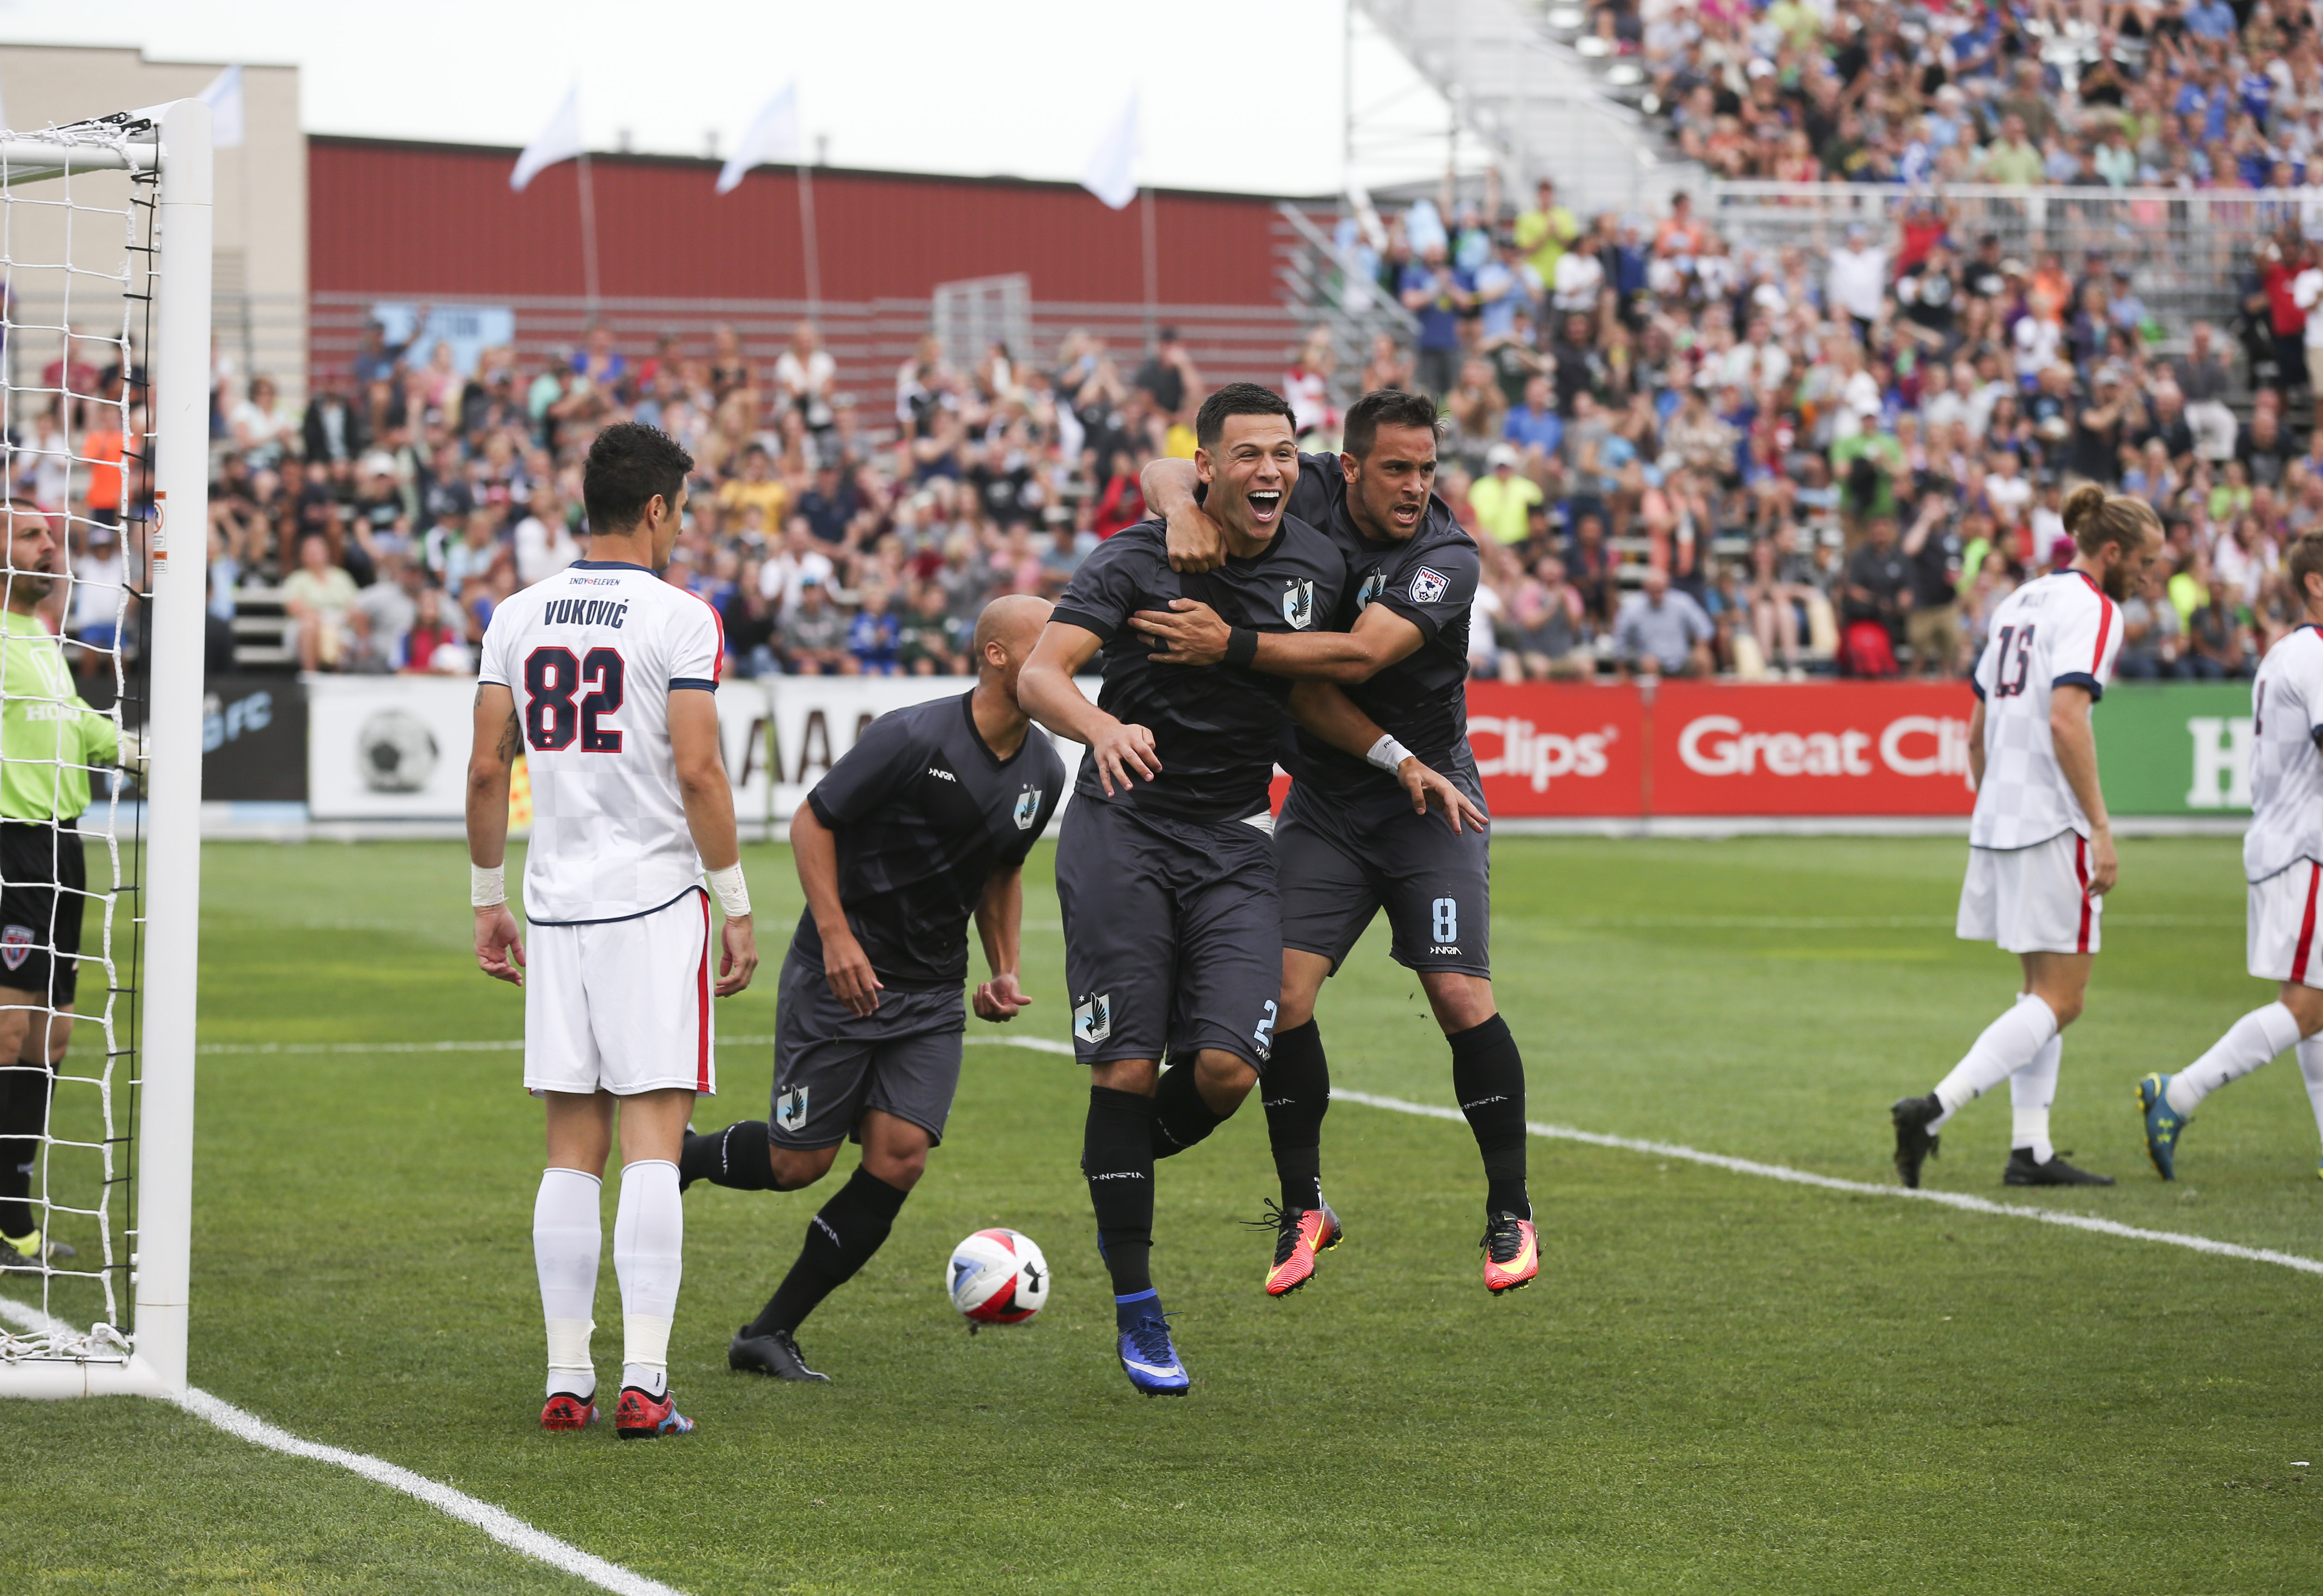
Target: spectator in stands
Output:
[
  {"x": 1501, "y": 498},
  {"x": 1875, "y": 599},
  {"x": 317, "y": 596},
  {"x": 814, "y": 634},
  {"x": 1662, "y": 632},
  {"x": 1437, "y": 293}
]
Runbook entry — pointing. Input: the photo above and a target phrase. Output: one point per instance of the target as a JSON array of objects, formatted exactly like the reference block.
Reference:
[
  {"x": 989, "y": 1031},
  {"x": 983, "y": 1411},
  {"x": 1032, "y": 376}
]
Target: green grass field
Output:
[{"x": 1720, "y": 1382}]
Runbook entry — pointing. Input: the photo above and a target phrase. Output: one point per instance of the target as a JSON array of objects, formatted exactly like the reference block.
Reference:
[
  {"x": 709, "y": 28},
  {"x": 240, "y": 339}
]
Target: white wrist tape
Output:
[
  {"x": 1388, "y": 754},
  {"x": 487, "y": 887},
  {"x": 733, "y": 891}
]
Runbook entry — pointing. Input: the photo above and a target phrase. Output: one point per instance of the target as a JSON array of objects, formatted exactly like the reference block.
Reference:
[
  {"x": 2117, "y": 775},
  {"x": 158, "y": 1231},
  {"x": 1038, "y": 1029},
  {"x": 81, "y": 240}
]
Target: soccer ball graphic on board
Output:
[{"x": 997, "y": 1276}]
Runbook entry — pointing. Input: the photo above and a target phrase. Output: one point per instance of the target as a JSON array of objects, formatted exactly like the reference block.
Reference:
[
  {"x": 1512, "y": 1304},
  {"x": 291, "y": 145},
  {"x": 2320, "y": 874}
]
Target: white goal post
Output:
[{"x": 154, "y": 415}]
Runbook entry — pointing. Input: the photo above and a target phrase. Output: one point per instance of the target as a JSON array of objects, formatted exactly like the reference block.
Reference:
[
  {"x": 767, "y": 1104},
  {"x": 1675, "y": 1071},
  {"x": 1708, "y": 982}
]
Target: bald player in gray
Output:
[{"x": 924, "y": 823}]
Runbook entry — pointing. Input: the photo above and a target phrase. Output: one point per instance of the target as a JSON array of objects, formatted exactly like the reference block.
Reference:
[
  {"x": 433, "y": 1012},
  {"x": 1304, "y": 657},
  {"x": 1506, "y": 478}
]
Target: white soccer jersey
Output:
[
  {"x": 2285, "y": 771},
  {"x": 592, "y": 654},
  {"x": 2055, "y": 631}
]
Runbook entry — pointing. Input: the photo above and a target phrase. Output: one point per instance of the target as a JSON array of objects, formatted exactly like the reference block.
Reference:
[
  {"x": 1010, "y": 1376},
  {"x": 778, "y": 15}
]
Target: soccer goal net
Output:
[{"x": 104, "y": 287}]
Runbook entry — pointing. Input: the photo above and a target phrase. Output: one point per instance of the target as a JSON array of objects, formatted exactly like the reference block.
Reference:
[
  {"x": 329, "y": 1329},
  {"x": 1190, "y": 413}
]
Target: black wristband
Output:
[{"x": 1241, "y": 644}]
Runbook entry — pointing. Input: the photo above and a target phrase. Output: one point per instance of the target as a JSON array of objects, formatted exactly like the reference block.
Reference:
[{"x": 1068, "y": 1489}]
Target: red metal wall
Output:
[{"x": 396, "y": 219}]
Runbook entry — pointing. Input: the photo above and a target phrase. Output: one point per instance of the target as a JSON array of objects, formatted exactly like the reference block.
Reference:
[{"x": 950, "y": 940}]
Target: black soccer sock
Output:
[
  {"x": 1297, "y": 1093},
  {"x": 1117, "y": 1157},
  {"x": 1180, "y": 1117},
  {"x": 735, "y": 1157},
  {"x": 1488, "y": 1078},
  {"x": 24, "y": 1118},
  {"x": 839, "y": 1240}
]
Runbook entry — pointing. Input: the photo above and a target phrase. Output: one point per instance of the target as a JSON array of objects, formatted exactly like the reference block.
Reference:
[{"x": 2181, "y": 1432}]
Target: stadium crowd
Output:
[
  {"x": 2225, "y": 93},
  {"x": 1679, "y": 457}
]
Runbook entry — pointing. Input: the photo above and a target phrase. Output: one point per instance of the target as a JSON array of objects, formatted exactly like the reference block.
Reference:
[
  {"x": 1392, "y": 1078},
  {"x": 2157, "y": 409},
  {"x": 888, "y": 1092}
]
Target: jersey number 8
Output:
[{"x": 553, "y": 679}]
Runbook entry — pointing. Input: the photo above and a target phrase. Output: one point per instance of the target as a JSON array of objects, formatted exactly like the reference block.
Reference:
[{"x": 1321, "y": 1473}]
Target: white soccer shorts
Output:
[
  {"x": 2032, "y": 900},
  {"x": 2283, "y": 939},
  {"x": 621, "y": 1006}
]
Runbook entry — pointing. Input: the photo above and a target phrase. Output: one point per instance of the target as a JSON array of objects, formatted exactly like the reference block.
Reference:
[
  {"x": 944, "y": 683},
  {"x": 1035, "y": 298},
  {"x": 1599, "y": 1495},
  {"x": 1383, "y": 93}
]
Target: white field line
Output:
[
  {"x": 1719, "y": 1161},
  {"x": 502, "y": 1526},
  {"x": 1950, "y": 1199}
]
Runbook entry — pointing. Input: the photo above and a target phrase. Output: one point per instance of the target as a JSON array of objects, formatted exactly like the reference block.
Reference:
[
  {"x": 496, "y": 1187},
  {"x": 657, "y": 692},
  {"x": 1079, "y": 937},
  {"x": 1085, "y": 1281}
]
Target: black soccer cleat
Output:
[
  {"x": 1915, "y": 1144},
  {"x": 775, "y": 1354},
  {"x": 2023, "y": 1171}
]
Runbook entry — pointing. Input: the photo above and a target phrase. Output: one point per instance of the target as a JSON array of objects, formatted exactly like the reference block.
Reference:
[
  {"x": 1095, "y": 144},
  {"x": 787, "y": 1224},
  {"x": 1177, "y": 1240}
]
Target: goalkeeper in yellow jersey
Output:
[{"x": 50, "y": 743}]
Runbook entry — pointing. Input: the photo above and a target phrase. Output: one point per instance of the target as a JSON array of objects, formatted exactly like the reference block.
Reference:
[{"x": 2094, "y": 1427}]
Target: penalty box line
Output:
[
  {"x": 1958, "y": 1200},
  {"x": 499, "y": 1523}
]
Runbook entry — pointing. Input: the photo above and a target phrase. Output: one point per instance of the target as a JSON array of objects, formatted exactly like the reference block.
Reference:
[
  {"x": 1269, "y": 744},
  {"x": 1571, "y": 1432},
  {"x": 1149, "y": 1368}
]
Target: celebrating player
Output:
[
  {"x": 50, "y": 741},
  {"x": 603, "y": 677},
  {"x": 1347, "y": 844},
  {"x": 925, "y": 821},
  {"x": 2041, "y": 854},
  {"x": 1173, "y": 934},
  {"x": 2282, "y": 859}
]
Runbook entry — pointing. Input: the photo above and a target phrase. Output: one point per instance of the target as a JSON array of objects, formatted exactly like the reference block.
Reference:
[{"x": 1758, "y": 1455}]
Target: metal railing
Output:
[
  {"x": 1329, "y": 289},
  {"x": 2185, "y": 250}
]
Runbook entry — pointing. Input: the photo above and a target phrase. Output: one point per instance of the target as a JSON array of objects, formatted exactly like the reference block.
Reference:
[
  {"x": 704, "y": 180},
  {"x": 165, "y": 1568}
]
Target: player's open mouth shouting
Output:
[{"x": 1265, "y": 505}]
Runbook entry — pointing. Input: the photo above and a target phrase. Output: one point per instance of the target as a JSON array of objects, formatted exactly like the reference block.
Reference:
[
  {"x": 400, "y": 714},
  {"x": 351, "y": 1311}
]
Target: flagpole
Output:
[
  {"x": 807, "y": 240},
  {"x": 1146, "y": 198},
  {"x": 588, "y": 236}
]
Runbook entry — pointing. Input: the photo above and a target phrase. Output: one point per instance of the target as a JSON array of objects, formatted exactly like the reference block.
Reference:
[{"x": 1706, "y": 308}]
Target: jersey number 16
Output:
[
  {"x": 2002, "y": 686},
  {"x": 553, "y": 679}
]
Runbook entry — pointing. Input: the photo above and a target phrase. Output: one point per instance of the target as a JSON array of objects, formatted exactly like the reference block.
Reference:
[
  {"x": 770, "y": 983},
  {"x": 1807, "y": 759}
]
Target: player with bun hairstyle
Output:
[
  {"x": 2040, "y": 855},
  {"x": 2282, "y": 861}
]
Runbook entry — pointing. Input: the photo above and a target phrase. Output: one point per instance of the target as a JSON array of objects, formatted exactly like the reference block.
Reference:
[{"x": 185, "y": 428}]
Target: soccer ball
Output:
[{"x": 997, "y": 1276}]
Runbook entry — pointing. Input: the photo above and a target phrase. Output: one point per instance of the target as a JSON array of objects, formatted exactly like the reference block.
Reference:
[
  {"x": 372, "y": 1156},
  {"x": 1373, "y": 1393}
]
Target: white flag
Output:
[
  {"x": 224, "y": 97},
  {"x": 560, "y": 140},
  {"x": 773, "y": 135},
  {"x": 1111, "y": 171}
]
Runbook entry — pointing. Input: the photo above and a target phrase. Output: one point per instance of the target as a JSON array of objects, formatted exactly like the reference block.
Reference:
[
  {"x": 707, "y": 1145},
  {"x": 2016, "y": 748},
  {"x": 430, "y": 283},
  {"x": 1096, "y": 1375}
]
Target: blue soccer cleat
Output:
[
  {"x": 1150, "y": 1361},
  {"x": 2162, "y": 1125}
]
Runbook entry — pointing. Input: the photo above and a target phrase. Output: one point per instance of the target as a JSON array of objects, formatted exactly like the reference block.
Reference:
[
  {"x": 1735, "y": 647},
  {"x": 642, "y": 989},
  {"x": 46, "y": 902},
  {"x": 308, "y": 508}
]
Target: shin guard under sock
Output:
[
  {"x": 1296, "y": 1093},
  {"x": 649, "y": 1261},
  {"x": 567, "y": 1240},
  {"x": 1488, "y": 1077},
  {"x": 839, "y": 1240},
  {"x": 1180, "y": 1117},
  {"x": 734, "y": 1156},
  {"x": 23, "y": 1121},
  {"x": 1117, "y": 1158}
]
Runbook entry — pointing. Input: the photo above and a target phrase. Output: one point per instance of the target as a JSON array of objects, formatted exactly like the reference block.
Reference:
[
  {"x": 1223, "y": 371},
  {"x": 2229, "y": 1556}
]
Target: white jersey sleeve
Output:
[
  {"x": 2056, "y": 631},
  {"x": 2286, "y": 772},
  {"x": 591, "y": 656}
]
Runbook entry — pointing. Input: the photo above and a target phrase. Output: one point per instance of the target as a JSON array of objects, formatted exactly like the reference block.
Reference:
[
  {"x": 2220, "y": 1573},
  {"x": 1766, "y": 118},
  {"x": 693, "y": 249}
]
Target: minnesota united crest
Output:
[
  {"x": 1374, "y": 583},
  {"x": 1298, "y": 604},
  {"x": 1028, "y": 807}
]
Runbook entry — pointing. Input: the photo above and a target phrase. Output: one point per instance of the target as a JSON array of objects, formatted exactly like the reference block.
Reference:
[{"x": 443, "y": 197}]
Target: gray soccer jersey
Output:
[
  {"x": 925, "y": 812},
  {"x": 2055, "y": 631}
]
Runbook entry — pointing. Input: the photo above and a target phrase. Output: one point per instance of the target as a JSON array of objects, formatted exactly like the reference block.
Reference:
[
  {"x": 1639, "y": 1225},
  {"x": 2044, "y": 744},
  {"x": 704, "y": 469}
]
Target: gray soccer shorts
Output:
[
  {"x": 1173, "y": 938},
  {"x": 830, "y": 1066},
  {"x": 1338, "y": 864}
]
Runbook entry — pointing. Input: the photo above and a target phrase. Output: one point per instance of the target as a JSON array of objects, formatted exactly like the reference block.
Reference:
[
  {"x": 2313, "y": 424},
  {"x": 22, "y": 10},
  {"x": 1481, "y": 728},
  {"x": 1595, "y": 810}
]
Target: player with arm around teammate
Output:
[
  {"x": 2041, "y": 854},
  {"x": 51, "y": 741},
  {"x": 1173, "y": 937},
  {"x": 1346, "y": 845},
  {"x": 2283, "y": 861},
  {"x": 603, "y": 677},
  {"x": 923, "y": 824}
]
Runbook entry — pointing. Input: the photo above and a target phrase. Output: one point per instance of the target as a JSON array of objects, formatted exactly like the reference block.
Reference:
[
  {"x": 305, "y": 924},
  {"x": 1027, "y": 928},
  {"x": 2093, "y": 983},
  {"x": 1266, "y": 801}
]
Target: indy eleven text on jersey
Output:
[
  {"x": 926, "y": 812},
  {"x": 1430, "y": 580},
  {"x": 2286, "y": 770},
  {"x": 1216, "y": 730},
  {"x": 591, "y": 656},
  {"x": 2056, "y": 631}
]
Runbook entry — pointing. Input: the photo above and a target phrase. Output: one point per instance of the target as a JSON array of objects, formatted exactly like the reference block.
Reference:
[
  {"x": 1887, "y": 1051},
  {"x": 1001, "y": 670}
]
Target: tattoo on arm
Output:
[{"x": 512, "y": 740}]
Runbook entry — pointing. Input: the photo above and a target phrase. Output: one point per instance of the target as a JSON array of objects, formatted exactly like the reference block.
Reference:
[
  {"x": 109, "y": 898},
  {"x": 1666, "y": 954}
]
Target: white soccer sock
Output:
[
  {"x": 2031, "y": 1090},
  {"x": 2250, "y": 1041},
  {"x": 2007, "y": 1045},
  {"x": 566, "y": 1241},
  {"x": 2310, "y": 1065},
  {"x": 648, "y": 1248}
]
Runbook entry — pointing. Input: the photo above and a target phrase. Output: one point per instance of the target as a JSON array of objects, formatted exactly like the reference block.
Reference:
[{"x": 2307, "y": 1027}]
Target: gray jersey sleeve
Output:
[
  {"x": 1116, "y": 579},
  {"x": 1436, "y": 587}
]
